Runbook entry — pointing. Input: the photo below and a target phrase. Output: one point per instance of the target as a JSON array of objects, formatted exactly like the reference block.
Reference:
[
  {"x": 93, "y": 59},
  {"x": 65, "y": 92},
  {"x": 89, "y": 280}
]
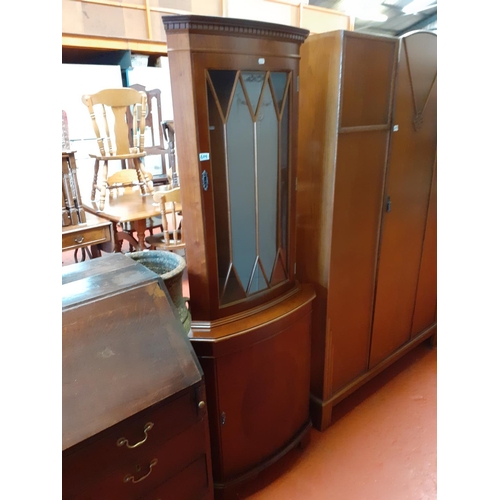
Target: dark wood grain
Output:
[
  {"x": 257, "y": 389},
  {"x": 118, "y": 326}
]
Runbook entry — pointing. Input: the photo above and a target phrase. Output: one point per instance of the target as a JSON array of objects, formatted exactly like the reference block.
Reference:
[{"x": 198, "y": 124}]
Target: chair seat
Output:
[{"x": 158, "y": 241}]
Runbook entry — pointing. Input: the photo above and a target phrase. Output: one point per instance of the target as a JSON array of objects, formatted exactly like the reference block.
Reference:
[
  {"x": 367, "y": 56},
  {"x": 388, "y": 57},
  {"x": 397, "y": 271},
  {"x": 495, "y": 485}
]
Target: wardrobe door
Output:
[
  {"x": 426, "y": 301},
  {"x": 365, "y": 109},
  {"x": 408, "y": 186}
]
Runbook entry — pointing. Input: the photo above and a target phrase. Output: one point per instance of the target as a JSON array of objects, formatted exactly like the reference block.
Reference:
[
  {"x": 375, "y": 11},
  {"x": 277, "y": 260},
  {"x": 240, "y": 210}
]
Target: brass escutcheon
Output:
[{"x": 130, "y": 478}]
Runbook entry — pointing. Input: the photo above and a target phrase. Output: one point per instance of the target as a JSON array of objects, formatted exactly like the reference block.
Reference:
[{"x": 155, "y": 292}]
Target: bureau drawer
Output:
[
  {"x": 191, "y": 483},
  {"x": 86, "y": 236},
  {"x": 85, "y": 464},
  {"x": 132, "y": 480}
]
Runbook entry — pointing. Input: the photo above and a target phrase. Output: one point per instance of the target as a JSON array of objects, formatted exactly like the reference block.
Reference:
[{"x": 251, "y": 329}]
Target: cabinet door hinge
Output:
[
  {"x": 298, "y": 83},
  {"x": 388, "y": 204}
]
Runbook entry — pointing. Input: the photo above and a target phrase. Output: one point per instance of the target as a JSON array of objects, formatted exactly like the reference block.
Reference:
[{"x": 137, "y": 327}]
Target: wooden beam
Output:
[
  {"x": 148, "y": 20},
  {"x": 109, "y": 43}
]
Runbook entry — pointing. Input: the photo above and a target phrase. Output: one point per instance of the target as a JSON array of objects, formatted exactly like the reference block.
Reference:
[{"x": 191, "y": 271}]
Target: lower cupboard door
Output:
[{"x": 264, "y": 396}]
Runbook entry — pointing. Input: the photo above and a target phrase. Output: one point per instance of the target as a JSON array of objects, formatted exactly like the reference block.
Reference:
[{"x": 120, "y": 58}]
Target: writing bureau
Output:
[{"x": 133, "y": 394}]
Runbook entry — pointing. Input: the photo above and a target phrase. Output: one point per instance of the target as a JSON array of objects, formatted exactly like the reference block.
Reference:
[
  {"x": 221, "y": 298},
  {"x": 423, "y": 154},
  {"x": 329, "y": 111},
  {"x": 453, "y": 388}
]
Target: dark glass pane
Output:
[
  {"x": 231, "y": 288},
  {"x": 223, "y": 82},
  {"x": 219, "y": 187},
  {"x": 284, "y": 174},
  {"x": 278, "y": 81}
]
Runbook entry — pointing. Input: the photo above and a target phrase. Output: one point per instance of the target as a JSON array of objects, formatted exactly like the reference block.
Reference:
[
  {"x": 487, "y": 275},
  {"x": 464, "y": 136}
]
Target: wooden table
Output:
[
  {"x": 96, "y": 232},
  {"x": 126, "y": 205}
]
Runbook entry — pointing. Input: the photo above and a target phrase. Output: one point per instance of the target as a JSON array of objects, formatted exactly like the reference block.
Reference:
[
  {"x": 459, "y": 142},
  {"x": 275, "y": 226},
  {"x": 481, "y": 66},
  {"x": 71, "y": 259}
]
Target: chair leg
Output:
[
  {"x": 94, "y": 182},
  {"x": 145, "y": 184},
  {"x": 75, "y": 255},
  {"x": 104, "y": 184},
  {"x": 140, "y": 175}
]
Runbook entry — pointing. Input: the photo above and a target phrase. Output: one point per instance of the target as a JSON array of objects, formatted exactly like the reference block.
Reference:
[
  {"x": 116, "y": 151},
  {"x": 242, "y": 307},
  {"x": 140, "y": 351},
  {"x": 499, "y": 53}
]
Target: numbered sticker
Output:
[{"x": 204, "y": 156}]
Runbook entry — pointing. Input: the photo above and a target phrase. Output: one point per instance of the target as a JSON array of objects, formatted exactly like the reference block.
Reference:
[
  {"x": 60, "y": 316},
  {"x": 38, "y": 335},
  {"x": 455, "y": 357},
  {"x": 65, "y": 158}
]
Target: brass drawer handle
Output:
[
  {"x": 129, "y": 478},
  {"x": 123, "y": 441},
  {"x": 80, "y": 239}
]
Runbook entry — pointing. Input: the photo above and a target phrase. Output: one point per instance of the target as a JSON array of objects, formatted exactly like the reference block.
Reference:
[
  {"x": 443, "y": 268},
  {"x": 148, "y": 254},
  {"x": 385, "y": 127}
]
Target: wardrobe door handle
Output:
[{"x": 388, "y": 204}]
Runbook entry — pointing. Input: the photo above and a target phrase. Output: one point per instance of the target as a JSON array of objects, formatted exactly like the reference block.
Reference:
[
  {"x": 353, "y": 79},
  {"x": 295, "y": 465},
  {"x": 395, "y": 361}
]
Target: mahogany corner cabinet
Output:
[{"x": 235, "y": 101}]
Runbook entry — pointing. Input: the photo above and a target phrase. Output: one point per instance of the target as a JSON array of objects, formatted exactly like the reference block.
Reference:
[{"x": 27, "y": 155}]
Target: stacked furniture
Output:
[
  {"x": 366, "y": 204},
  {"x": 72, "y": 208},
  {"x": 154, "y": 130},
  {"x": 235, "y": 96},
  {"x": 108, "y": 111},
  {"x": 80, "y": 230},
  {"x": 134, "y": 406}
]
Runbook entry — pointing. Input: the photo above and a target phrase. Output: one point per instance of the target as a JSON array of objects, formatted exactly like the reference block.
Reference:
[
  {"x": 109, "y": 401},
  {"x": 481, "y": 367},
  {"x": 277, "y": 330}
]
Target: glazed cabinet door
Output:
[{"x": 245, "y": 134}]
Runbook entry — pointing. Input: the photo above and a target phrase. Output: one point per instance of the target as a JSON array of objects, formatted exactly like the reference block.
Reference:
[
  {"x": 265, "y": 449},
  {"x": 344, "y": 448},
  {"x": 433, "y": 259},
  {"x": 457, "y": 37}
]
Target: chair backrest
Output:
[
  {"x": 170, "y": 204},
  {"x": 153, "y": 119},
  {"x": 111, "y": 105},
  {"x": 169, "y": 135}
]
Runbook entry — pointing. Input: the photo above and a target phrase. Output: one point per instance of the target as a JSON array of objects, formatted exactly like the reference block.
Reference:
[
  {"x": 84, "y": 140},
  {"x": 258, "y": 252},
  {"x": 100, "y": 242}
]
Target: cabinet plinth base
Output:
[
  {"x": 321, "y": 410},
  {"x": 231, "y": 489}
]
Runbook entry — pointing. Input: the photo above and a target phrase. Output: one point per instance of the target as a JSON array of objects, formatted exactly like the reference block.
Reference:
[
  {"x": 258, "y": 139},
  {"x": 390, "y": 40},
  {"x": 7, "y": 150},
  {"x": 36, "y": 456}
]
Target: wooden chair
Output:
[
  {"x": 154, "y": 122},
  {"x": 117, "y": 145},
  {"x": 172, "y": 237}
]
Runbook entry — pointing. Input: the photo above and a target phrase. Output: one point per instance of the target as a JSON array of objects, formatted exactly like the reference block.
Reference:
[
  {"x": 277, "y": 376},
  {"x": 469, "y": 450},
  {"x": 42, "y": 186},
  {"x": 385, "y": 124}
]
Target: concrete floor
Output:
[{"x": 381, "y": 445}]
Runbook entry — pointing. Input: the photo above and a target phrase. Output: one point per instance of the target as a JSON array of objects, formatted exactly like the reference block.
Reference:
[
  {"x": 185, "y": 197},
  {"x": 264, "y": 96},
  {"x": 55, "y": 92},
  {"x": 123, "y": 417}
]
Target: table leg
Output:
[
  {"x": 140, "y": 227},
  {"x": 95, "y": 251},
  {"x": 118, "y": 240}
]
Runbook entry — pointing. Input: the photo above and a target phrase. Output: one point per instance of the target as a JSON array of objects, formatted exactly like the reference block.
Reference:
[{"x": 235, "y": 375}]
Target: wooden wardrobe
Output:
[{"x": 366, "y": 204}]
